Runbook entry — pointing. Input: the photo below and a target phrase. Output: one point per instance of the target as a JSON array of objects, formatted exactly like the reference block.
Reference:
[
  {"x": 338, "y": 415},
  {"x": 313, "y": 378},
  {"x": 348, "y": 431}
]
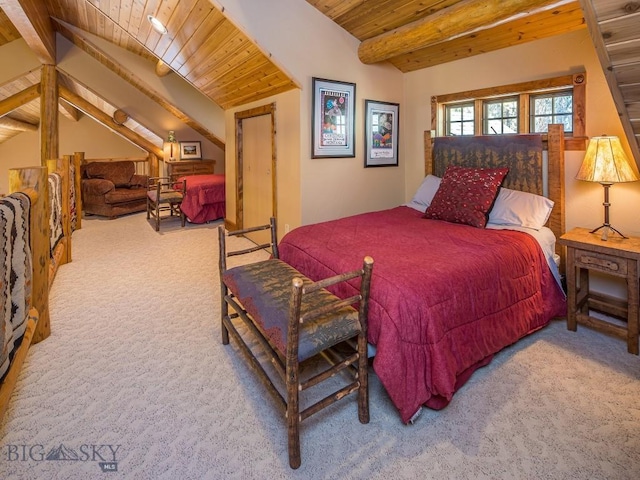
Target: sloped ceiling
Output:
[{"x": 209, "y": 51}]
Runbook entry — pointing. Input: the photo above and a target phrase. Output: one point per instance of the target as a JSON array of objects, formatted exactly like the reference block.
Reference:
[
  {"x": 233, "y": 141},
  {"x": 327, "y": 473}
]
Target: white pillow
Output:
[
  {"x": 513, "y": 207},
  {"x": 427, "y": 189}
]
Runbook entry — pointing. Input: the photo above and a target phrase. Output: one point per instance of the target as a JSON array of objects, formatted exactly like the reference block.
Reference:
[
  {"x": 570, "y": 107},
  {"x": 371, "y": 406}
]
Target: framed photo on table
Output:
[
  {"x": 190, "y": 151},
  {"x": 333, "y": 119},
  {"x": 381, "y": 134}
]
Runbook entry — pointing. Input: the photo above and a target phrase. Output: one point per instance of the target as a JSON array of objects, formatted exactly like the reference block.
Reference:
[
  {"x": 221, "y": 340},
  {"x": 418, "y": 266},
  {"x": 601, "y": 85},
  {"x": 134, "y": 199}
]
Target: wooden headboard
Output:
[{"x": 521, "y": 153}]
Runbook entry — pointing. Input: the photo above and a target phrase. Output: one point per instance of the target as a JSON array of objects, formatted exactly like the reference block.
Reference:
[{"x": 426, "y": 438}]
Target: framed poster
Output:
[
  {"x": 381, "y": 134},
  {"x": 190, "y": 151},
  {"x": 333, "y": 119}
]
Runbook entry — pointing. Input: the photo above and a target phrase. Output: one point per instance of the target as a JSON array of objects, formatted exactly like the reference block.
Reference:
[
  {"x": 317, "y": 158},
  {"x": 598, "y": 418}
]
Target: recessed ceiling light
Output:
[{"x": 157, "y": 25}]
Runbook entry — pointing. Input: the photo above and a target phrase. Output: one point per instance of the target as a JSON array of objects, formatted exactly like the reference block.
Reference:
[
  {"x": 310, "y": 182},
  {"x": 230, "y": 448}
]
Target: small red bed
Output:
[
  {"x": 205, "y": 198},
  {"x": 445, "y": 297}
]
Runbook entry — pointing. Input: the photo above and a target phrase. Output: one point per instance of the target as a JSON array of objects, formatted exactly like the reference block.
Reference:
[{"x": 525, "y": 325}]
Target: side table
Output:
[{"x": 617, "y": 256}]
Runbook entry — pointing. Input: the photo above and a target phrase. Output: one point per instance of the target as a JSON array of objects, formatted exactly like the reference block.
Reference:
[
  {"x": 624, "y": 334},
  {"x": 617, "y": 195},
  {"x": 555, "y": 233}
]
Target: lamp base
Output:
[{"x": 606, "y": 228}]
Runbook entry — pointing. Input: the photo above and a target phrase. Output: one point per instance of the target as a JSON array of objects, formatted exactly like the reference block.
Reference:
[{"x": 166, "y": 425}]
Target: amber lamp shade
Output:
[{"x": 606, "y": 163}]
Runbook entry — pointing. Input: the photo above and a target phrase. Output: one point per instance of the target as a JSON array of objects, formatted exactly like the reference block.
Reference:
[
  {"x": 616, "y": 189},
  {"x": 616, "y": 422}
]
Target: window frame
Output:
[
  {"x": 461, "y": 105},
  {"x": 502, "y": 100},
  {"x": 552, "y": 96},
  {"x": 577, "y": 82}
]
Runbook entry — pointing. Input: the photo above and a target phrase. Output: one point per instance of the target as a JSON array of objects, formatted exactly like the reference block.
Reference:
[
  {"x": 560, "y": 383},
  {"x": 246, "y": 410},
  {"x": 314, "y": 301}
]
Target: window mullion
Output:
[
  {"x": 479, "y": 117},
  {"x": 523, "y": 115}
]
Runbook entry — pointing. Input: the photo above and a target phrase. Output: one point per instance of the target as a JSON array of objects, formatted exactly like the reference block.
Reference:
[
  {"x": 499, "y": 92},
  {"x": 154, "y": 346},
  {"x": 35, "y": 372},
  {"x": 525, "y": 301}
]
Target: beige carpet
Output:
[{"x": 134, "y": 378}]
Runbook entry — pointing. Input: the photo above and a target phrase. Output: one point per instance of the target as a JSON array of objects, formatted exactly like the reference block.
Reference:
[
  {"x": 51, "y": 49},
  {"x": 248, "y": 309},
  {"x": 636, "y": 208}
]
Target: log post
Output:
[{"x": 48, "y": 114}]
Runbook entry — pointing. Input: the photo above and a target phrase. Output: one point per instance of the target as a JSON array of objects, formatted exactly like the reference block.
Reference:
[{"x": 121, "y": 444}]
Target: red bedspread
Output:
[
  {"x": 205, "y": 198},
  {"x": 444, "y": 297}
]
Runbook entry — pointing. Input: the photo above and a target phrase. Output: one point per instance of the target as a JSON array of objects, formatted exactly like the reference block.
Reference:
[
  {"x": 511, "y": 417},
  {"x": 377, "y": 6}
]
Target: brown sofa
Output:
[{"x": 112, "y": 189}]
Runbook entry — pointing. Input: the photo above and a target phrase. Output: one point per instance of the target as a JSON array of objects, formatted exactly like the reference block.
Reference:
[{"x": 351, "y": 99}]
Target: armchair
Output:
[{"x": 112, "y": 189}]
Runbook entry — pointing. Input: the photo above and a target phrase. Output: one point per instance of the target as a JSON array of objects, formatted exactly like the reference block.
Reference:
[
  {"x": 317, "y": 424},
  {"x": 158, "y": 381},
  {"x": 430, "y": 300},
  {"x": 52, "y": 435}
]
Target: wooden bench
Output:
[{"x": 293, "y": 320}]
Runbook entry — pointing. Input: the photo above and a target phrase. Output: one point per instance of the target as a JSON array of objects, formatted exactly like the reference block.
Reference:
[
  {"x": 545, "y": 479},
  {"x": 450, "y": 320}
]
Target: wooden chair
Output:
[
  {"x": 165, "y": 195},
  {"x": 295, "y": 319}
]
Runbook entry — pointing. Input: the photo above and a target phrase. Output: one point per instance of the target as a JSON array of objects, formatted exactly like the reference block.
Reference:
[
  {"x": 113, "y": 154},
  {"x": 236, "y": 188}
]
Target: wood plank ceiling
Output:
[
  {"x": 209, "y": 51},
  {"x": 201, "y": 45}
]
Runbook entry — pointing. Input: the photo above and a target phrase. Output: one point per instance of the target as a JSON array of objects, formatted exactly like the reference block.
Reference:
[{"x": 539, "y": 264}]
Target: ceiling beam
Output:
[
  {"x": 107, "y": 121},
  {"x": 547, "y": 23},
  {"x": 446, "y": 24},
  {"x": 69, "y": 111},
  {"x": 17, "y": 125},
  {"x": 19, "y": 99},
  {"x": 162, "y": 69},
  {"x": 114, "y": 66},
  {"x": 31, "y": 19}
]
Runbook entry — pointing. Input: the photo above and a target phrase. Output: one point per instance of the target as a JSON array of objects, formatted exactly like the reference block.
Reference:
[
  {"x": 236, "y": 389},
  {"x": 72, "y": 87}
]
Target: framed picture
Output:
[
  {"x": 333, "y": 119},
  {"x": 190, "y": 151},
  {"x": 381, "y": 134}
]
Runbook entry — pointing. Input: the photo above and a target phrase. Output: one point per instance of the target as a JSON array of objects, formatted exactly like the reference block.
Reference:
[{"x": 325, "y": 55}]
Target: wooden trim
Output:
[
  {"x": 577, "y": 140},
  {"x": 269, "y": 109},
  {"x": 502, "y": 90},
  {"x": 10, "y": 379}
]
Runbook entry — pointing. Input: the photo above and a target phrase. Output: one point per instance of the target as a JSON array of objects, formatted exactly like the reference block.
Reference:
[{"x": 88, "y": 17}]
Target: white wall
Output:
[
  {"x": 310, "y": 45},
  {"x": 172, "y": 87},
  {"x": 287, "y": 125},
  {"x": 85, "y": 135},
  {"x": 120, "y": 93},
  {"x": 556, "y": 56}
]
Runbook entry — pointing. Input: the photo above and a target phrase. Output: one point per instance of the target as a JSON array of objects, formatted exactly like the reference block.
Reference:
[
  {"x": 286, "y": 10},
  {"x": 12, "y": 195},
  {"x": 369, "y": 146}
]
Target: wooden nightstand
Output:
[{"x": 617, "y": 256}]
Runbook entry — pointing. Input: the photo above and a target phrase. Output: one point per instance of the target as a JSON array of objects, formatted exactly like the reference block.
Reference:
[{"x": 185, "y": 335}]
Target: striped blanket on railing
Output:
[
  {"x": 55, "y": 211},
  {"x": 73, "y": 211},
  {"x": 15, "y": 274}
]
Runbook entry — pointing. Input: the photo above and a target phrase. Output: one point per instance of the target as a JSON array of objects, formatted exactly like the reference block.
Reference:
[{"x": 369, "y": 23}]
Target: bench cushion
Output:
[{"x": 264, "y": 289}]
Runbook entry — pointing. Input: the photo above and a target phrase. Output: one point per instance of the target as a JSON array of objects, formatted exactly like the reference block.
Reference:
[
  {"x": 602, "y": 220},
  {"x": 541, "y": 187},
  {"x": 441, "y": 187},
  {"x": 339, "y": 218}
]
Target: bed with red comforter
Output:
[
  {"x": 445, "y": 297},
  {"x": 205, "y": 198}
]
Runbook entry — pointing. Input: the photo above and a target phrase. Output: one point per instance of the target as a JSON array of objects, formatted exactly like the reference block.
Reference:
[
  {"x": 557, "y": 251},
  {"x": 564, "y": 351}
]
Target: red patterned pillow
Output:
[{"x": 466, "y": 195}]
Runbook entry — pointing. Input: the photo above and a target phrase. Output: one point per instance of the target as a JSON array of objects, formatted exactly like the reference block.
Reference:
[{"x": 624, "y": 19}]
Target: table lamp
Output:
[
  {"x": 170, "y": 146},
  {"x": 605, "y": 162}
]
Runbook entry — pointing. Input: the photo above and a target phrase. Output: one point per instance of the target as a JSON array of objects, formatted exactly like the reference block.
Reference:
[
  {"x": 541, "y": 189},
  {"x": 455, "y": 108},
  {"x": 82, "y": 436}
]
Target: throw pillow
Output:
[{"x": 466, "y": 195}]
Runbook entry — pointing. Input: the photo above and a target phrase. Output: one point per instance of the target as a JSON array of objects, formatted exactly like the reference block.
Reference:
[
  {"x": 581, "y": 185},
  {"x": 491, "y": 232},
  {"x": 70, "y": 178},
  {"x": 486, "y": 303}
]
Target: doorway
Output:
[{"x": 256, "y": 169}]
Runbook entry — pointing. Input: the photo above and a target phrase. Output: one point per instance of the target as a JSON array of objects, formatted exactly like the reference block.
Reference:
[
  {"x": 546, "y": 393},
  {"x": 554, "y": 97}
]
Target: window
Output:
[
  {"x": 528, "y": 107},
  {"x": 500, "y": 116},
  {"x": 551, "y": 108},
  {"x": 460, "y": 119}
]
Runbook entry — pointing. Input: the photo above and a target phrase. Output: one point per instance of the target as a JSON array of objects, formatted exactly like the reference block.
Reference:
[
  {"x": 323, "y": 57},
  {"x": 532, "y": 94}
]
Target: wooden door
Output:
[{"x": 256, "y": 169}]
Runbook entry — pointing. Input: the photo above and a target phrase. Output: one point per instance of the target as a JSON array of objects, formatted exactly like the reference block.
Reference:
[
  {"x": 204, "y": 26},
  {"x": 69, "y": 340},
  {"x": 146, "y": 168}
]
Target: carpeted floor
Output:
[{"x": 134, "y": 383}]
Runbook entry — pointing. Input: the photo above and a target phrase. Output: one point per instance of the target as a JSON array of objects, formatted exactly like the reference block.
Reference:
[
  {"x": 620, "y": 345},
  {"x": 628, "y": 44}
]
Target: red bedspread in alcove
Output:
[{"x": 205, "y": 198}]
